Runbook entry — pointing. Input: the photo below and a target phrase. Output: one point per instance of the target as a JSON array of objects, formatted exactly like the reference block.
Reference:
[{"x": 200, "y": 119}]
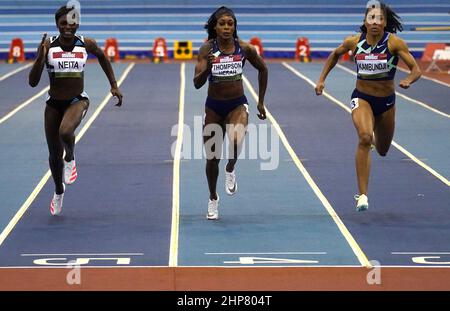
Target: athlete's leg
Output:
[
  {"x": 364, "y": 122},
  {"x": 72, "y": 118},
  {"x": 237, "y": 121},
  {"x": 384, "y": 131},
  {"x": 52, "y": 121},
  {"x": 213, "y": 134}
]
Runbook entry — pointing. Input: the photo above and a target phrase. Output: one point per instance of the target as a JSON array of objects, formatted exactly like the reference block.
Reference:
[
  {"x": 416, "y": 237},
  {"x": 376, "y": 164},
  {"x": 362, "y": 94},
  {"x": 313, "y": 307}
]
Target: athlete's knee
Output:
[
  {"x": 66, "y": 134},
  {"x": 382, "y": 151},
  {"x": 365, "y": 139}
]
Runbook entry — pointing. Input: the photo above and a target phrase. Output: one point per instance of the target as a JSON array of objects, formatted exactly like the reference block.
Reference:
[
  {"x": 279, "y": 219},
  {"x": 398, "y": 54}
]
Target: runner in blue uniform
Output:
[
  {"x": 65, "y": 57},
  {"x": 220, "y": 61},
  {"x": 376, "y": 51}
]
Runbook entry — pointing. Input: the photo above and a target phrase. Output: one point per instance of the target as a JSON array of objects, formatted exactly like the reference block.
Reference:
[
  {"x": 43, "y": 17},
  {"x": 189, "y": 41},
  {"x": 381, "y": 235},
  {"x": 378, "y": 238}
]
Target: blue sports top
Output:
[
  {"x": 227, "y": 67},
  {"x": 376, "y": 62}
]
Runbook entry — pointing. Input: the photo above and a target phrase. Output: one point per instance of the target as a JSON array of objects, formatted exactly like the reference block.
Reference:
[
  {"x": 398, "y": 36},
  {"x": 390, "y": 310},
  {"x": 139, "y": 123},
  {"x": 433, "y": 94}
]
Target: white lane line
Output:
[
  {"x": 340, "y": 104},
  {"x": 24, "y": 104},
  {"x": 415, "y": 101},
  {"x": 9, "y": 74},
  {"x": 271, "y": 253},
  {"x": 425, "y": 77},
  {"x": 420, "y": 253},
  {"x": 173, "y": 256},
  {"x": 13, "y": 222},
  {"x": 85, "y": 254},
  {"x": 341, "y": 226}
]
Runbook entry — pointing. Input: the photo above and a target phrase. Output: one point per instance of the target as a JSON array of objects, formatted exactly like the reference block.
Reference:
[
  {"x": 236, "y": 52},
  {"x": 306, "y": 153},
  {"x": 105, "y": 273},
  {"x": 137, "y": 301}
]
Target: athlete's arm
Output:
[
  {"x": 399, "y": 47},
  {"x": 205, "y": 59},
  {"x": 92, "y": 47},
  {"x": 348, "y": 45},
  {"x": 260, "y": 65},
  {"x": 36, "y": 71}
]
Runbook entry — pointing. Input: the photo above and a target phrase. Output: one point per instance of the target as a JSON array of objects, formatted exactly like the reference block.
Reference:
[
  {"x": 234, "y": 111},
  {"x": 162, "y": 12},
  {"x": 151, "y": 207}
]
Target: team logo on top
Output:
[
  {"x": 228, "y": 59},
  {"x": 68, "y": 55},
  {"x": 371, "y": 56}
]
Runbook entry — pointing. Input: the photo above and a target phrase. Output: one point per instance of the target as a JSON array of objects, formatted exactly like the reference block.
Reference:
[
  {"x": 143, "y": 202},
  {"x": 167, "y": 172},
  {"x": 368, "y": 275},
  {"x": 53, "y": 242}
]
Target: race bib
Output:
[
  {"x": 372, "y": 64},
  {"x": 227, "y": 66},
  {"x": 354, "y": 103}
]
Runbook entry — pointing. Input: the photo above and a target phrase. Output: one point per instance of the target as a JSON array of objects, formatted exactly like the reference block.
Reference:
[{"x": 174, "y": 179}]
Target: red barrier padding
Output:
[
  {"x": 160, "y": 50},
  {"x": 256, "y": 42},
  {"x": 16, "y": 51},
  {"x": 112, "y": 49},
  {"x": 303, "y": 50},
  {"x": 428, "y": 53}
]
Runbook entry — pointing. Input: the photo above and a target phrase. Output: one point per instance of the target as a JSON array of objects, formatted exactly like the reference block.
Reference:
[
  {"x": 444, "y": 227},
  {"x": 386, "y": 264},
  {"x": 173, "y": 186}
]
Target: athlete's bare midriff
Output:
[
  {"x": 376, "y": 88},
  {"x": 66, "y": 88},
  {"x": 225, "y": 90}
]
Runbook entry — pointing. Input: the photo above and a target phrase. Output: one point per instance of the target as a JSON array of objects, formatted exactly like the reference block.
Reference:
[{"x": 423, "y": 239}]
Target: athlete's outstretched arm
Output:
[
  {"x": 332, "y": 60},
  {"x": 205, "y": 59},
  {"x": 400, "y": 48},
  {"x": 92, "y": 47},
  {"x": 36, "y": 71},
  {"x": 263, "y": 74}
]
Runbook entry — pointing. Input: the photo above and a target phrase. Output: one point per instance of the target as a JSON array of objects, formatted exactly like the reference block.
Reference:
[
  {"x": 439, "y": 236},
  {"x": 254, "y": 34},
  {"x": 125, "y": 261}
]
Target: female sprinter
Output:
[
  {"x": 220, "y": 61},
  {"x": 376, "y": 51},
  {"x": 65, "y": 57}
]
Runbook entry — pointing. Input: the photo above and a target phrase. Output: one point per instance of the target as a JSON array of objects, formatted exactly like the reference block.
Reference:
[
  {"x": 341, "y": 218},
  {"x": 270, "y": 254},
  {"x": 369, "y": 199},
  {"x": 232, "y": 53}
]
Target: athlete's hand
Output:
[
  {"x": 42, "y": 49},
  {"x": 116, "y": 93},
  {"x": 404, "y": 84},
  {"x": 319, "y": 88},
  {"x": 262, "y": 111},
  {"x": 210, "y": 59}
]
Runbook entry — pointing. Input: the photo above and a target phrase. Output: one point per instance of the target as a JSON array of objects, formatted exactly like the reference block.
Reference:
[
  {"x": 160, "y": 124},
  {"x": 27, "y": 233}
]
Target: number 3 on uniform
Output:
[{"x": 354, "y": 103}]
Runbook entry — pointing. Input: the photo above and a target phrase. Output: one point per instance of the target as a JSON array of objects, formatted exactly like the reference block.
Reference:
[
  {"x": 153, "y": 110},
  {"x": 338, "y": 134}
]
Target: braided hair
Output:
[
  {"x": 212, "y": 21},
  {"x": 393, "y": 21}
]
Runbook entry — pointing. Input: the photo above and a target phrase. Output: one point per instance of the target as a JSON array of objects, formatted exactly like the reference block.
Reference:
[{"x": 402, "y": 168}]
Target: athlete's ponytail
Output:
[{"x": 393, "y": 21}]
